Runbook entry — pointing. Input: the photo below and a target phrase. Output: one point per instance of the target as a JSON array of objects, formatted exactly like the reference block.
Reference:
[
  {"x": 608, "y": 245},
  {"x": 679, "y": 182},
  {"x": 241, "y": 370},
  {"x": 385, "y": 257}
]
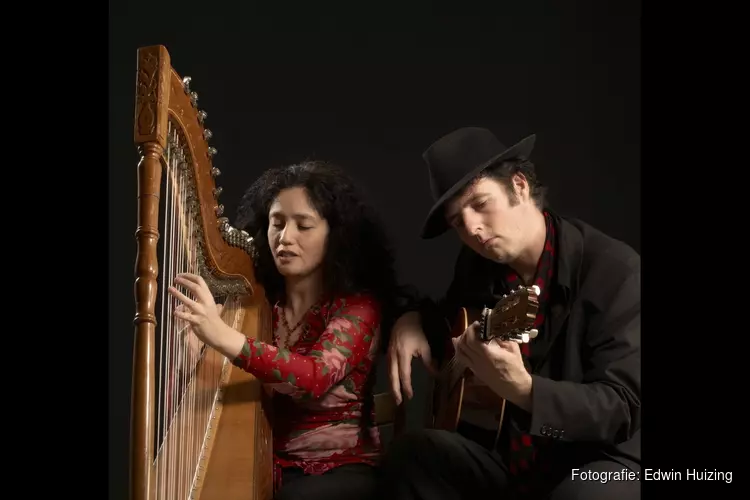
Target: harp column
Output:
[{"x": 150, "y": 134}]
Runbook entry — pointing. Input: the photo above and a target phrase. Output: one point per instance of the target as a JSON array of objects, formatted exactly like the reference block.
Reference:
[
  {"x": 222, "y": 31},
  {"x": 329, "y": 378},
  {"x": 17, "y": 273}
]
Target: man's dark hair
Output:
[{"x": 504, "y": 171}]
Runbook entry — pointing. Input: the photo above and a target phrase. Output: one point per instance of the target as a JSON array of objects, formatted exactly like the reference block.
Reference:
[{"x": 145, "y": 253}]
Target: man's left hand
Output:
[{"x": 496, "y": 363}]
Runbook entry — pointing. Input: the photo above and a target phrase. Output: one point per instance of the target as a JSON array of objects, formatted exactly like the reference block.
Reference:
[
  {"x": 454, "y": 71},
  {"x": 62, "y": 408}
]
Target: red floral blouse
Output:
[{"x": 322, "y": 385}]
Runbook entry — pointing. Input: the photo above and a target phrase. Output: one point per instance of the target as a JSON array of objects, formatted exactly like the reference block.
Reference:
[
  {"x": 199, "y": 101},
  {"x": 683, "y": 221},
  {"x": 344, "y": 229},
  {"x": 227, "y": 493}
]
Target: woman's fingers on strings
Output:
[
  {"x": 193, "y": 278},
  {"x": 183, "y": 309},
  {"x": 182, "y": 297},
  {"x": 191, "y": 285},
  {"x": 184, "y": 315},
  {"x": 195, "y": 284}
]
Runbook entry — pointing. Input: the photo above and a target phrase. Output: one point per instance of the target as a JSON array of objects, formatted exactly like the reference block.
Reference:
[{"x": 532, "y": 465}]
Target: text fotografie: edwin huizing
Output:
[{"x": 690, "y": 475}]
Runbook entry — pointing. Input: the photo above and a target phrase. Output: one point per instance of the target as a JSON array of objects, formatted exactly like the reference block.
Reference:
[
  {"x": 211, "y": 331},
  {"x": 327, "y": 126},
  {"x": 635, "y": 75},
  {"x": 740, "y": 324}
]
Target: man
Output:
[{"x": 571, "y": 427}]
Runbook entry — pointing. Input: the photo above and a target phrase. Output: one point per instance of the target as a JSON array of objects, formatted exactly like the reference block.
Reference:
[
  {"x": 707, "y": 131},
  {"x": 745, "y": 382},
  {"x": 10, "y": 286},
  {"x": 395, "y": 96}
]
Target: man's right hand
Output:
[{"x": 407, "y": 341}]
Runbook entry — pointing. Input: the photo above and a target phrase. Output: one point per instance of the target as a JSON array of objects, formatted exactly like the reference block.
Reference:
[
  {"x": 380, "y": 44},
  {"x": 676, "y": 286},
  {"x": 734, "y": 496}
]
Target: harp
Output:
[{"x": 200, "y": 427}]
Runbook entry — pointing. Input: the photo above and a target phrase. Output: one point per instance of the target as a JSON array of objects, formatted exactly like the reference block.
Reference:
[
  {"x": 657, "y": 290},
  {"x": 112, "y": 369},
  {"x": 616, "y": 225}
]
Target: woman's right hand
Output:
[
  {"x": 407, "y": 341},
  {"x": 193, "y": 343}
]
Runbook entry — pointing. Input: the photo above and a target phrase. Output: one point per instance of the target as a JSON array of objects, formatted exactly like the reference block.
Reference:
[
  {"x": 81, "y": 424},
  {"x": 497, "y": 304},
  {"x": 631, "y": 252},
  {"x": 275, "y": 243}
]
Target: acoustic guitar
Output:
[{"x": 512, "y": 318}]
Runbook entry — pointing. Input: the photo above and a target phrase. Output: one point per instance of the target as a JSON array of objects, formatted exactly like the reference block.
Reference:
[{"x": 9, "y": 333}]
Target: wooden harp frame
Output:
[{"x": 236, "y": 458}]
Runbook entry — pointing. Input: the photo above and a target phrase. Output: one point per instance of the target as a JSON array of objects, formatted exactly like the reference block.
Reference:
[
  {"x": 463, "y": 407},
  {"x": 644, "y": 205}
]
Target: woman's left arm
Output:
[{"x": 348, "y": 339}]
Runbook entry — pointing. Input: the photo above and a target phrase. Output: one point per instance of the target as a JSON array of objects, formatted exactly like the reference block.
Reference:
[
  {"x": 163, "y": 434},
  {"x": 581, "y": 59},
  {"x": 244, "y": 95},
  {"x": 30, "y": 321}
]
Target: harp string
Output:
[
  {"x": 161, "y": 420},
  {"x": 175, "y": 262},
  {"x": 178, "y": 450},
  {"x": 170, "y": 389},
  {"x": 178, "y": 403},
  {"x": 182, "y": 369},
  {"x": 189, "y": 374},
  {"x": 165, "y": 351}
]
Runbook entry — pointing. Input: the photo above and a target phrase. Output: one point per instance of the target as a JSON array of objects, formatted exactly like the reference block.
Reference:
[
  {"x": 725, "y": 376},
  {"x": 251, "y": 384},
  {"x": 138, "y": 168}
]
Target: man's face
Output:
[{"x": 491, "y": 220}]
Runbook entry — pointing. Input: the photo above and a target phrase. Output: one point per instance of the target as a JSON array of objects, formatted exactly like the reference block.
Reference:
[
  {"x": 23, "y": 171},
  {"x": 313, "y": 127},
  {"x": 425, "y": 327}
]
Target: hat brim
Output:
[{"x": 435, "y": 224}]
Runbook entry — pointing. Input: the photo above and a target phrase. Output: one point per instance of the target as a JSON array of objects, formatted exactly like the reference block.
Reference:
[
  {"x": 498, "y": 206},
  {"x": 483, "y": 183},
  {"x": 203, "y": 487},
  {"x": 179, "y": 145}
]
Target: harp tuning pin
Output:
[
  {"x": 194, "y": 98},
  {"x": 215, "y": 172},
  {"x": 186, "y": 83},
  {"x": 212, "y": 152},
  {"x": 202, "y": 115},
  {"x": 217, "y": 191},
  {"x": 219, "y": 210},
  {"x": 207, "y": 134}
]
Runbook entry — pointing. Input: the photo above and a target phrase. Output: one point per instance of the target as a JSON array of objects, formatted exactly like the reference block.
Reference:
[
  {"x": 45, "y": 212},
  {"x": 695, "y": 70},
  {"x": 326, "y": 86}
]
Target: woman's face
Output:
[{"x": 297, "y": 233}]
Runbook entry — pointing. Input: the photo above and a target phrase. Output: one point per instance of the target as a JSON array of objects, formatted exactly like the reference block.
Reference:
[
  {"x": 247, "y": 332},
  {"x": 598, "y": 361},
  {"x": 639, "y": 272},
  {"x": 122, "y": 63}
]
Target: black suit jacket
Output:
[{"x": 587, "y": 382}]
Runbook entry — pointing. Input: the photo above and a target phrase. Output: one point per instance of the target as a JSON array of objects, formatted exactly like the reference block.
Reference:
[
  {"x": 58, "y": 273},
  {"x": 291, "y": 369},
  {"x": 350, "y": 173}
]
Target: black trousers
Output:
[
  {"x": 346, "y": 482},
  {"x": 439, "y": 465}
]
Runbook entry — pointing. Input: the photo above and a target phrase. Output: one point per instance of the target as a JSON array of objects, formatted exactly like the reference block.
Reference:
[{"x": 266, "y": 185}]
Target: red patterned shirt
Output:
[{"x": 323, "y": 385}]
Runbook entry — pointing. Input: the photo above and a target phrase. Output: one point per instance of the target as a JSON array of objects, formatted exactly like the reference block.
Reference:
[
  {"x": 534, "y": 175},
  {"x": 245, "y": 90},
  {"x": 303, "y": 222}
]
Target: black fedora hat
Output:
[{"x": 458, "y": 157}]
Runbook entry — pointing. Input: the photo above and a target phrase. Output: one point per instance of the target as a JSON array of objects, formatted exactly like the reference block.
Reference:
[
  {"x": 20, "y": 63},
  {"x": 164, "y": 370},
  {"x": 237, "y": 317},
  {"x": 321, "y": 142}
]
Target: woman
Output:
[{"x": 323, "y": 260}]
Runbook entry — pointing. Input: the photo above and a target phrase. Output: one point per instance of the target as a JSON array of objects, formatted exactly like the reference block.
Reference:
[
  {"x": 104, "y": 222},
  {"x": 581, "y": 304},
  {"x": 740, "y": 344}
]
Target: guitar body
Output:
[
  {"x": 511, "y": 318},
  {"x": 449, "y": 392}
]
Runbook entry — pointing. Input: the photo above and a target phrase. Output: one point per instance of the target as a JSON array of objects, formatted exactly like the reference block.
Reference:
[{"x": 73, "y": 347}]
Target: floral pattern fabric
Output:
[{"x": 323, "y": 402}]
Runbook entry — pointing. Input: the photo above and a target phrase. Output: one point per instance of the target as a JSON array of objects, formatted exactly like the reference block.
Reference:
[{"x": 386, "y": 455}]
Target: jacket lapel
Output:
[
  {"x": 570, "y": 255},
  {"x": 559, "y": 311}
]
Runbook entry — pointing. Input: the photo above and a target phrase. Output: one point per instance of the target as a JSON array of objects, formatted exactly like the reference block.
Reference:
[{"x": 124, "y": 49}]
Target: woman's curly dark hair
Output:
[{"x": 358, "y": 255}]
